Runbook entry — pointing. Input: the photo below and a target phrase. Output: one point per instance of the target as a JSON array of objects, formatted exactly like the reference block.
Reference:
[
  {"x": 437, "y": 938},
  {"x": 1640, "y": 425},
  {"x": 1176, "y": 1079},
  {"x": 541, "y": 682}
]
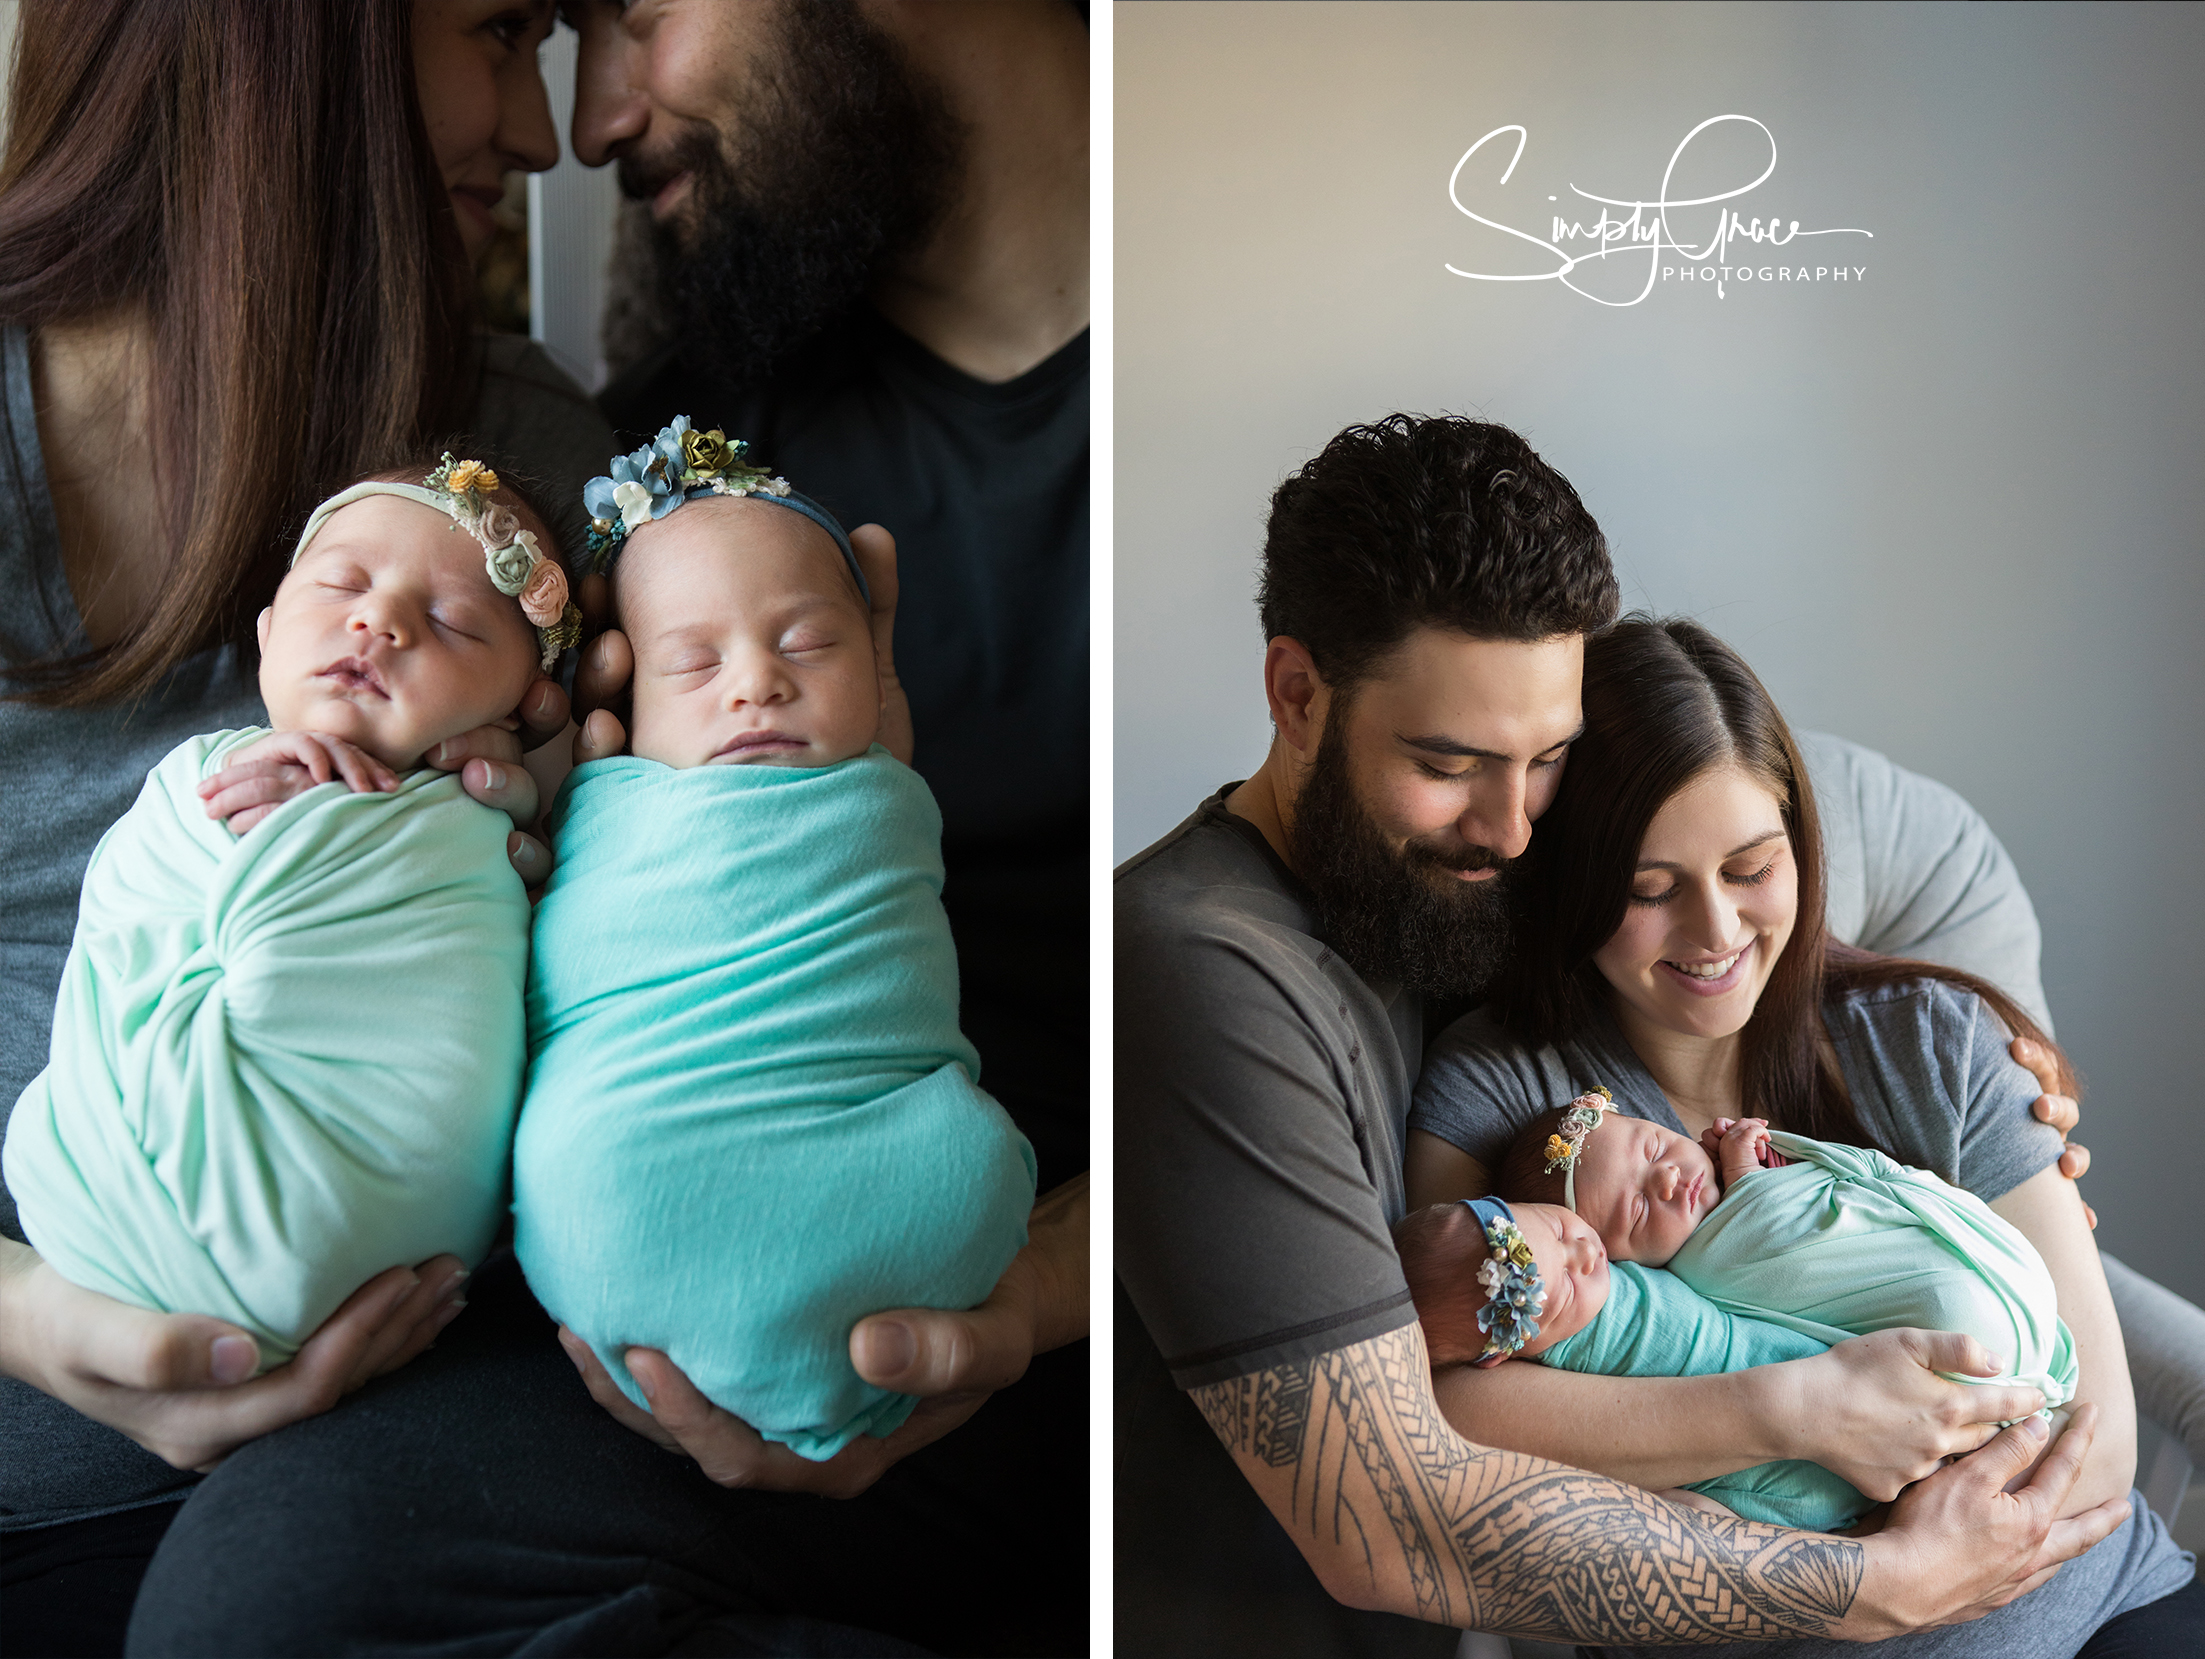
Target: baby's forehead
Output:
[{"x": 741, "y": 551}]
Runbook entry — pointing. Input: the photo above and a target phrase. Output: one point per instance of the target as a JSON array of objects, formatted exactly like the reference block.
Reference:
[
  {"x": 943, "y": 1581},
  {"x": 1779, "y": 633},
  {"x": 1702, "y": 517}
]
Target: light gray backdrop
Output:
[{"x": 1949, "y": 508}]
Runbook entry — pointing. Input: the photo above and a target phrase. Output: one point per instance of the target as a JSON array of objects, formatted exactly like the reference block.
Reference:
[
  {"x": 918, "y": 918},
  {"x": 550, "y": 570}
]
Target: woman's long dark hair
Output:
[
  {"x": 253, "y": 180},
  {"x": 1666, "y": 701}
]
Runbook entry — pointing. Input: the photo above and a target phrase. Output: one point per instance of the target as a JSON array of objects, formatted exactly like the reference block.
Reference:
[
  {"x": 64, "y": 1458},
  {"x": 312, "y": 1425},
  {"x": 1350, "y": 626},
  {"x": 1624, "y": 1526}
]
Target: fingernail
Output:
[
  {"x": 525, "y": 853},
  {"x": 543, "y": 702},
  {"x": 493, "y": 777},
  {"x": 2036, "y": 1428},
  {"x": 450, "y": 1287},
  {"x": 234, "y": 1359},
  {"x": 450, "y": 1311},
  {"x": 888, "y": 1347},
  {"x": 437, "y": 754},
  {"x": 643, "y": 1381}
]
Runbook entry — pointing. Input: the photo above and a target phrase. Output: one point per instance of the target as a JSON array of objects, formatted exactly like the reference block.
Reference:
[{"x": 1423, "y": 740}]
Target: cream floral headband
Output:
[
  {"x": 1567, "y": 1144},
  {"x": 517, "y": 567}
]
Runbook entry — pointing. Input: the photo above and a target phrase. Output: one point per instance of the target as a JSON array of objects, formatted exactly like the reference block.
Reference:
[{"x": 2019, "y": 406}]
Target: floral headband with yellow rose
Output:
[
  {"x": 518, "y": 568},
  {"x": 682, "y": 464},
  {"x": 1567, "y": 1144}
]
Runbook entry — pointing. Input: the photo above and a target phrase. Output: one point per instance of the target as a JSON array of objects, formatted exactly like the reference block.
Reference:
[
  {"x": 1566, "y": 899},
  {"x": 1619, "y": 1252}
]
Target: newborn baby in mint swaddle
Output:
[
  {"x": 288, "y": 1043},
  {"x": 1803, "y": 1244},
  {"x": 751, "y": 1118}
]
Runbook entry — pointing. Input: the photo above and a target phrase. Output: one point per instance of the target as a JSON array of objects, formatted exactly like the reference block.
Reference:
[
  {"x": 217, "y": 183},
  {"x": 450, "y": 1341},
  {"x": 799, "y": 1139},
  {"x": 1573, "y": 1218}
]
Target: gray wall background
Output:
[{"x": 1950, "y": 510}]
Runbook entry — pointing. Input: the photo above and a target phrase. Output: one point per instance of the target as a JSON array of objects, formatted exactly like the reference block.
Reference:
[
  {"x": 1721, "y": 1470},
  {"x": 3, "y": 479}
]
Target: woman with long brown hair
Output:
[
  {"x": 1673, "y": 949},
  {"x": 235, "y": 241}
]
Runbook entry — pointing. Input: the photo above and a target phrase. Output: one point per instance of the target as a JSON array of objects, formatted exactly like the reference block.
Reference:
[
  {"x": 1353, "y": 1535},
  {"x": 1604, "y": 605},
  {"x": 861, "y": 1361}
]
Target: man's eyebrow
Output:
[
  {"x": 1743, "y": 847},
  {"x": 1436, "y": 744}
]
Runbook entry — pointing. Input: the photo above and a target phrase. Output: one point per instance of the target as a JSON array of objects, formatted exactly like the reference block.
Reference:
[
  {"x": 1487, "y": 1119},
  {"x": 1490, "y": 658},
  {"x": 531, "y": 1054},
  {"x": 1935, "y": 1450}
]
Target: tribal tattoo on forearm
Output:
[{"x": 1495, "y": 1540}]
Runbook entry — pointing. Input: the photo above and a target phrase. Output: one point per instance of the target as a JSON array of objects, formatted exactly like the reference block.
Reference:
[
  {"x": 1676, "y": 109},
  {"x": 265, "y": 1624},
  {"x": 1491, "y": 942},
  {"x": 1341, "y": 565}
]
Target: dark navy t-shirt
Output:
[{"x": 985, "y": 489}]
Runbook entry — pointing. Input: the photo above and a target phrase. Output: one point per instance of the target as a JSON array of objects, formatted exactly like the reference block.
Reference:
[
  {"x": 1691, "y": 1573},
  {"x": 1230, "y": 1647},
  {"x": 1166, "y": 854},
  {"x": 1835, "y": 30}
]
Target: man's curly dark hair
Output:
[{"x": 1428, "y": 520}]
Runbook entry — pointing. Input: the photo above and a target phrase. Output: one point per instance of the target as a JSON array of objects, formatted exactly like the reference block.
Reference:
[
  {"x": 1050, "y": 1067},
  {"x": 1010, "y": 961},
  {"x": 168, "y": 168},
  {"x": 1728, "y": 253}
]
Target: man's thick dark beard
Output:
[
  {"x": 1387, "y": 915},
  {"x": 852, "y": 161}
]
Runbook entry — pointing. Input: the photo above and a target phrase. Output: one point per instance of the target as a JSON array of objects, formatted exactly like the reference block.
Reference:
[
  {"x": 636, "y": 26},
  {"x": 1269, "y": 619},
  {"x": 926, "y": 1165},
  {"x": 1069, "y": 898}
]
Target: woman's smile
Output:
[{"x": 1713, "y": 978}]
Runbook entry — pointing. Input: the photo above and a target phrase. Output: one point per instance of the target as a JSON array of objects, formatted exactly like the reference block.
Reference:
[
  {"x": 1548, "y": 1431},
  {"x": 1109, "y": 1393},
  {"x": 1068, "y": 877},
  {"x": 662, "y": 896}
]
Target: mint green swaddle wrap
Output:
[
  {"x": 1844, "y": 1241},
  {"x": 751, "y": 1118},
  {"x": 1655, "y": 1325},
  {"x": 281, "y": 1063}
]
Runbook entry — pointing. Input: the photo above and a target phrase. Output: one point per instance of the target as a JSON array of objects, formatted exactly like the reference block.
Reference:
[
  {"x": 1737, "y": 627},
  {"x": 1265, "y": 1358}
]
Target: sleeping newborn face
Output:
[
  {"x": 752, "y": 643},
  {"x": 1573, "y": 1270},
  {"x": 1643, "y": 1188},
  {"x": 388, "y": 634}
]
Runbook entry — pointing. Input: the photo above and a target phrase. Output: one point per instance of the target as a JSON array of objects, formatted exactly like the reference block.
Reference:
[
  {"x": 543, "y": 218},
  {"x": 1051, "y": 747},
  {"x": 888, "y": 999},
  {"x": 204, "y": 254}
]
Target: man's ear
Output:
[
  {"x": 261, "y": 627},
  {"x": 1297, "y": 694}
]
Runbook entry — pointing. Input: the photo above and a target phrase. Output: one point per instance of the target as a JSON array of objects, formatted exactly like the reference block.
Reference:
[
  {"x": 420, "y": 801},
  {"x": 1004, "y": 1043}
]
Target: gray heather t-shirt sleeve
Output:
[
  {"x": 1479, "y": 1088},
  {"x": 1913, "y": 870},
  {"x": 1927, "y": 1067},
  {"x": 1248, "y": 1231}
]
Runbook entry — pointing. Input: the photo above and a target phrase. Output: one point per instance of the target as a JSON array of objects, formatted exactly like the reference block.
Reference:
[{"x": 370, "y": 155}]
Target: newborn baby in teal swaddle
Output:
[
  {"x": 288, "y": 1043},
  {"x": 1802, "y": 1244},
  {"x": 751, "y": 1118}
]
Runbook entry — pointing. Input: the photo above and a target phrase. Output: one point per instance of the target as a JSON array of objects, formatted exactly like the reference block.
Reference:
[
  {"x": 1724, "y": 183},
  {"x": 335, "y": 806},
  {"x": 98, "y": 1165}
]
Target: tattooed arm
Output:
[{"x": 1394, "y": 1511}]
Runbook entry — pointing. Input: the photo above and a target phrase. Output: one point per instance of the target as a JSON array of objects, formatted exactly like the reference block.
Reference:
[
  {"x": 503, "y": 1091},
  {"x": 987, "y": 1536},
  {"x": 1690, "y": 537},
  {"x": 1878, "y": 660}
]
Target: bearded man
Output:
[{"x": 1287, "y": 1481}]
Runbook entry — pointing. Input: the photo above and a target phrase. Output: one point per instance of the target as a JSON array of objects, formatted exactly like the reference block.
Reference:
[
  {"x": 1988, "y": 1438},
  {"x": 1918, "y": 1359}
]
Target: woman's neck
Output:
[
  {"x": 92, "y": 384},
  {"x": 1699, "y": 1075}
]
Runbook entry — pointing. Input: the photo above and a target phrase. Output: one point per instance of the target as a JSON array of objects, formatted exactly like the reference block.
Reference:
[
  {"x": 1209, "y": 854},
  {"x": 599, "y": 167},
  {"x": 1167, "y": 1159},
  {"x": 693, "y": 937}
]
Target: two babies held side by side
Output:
[
  {"x": 292, "y": 1034},
  {"x": 1775, "y": 1247}
]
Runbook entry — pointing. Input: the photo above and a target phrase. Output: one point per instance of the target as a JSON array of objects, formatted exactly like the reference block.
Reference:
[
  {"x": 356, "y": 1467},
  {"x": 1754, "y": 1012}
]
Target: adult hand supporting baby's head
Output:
[{"x": 488, "y": 761}]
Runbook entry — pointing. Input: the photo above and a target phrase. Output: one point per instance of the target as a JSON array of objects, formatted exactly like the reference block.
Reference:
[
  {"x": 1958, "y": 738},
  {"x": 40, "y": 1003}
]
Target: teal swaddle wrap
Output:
[
  {"x": 281, "y": 1063},
  {"x": 1655, "y": 1325},
  {"x": 1844, "y": 1241},
  {"x": 751, "y": 1117}
]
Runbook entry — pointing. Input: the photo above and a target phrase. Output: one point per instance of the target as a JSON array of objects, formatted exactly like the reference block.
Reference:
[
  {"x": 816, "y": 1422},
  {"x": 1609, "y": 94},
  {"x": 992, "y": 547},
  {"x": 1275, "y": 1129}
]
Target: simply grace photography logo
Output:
[{"x": 1696, "y": 240}]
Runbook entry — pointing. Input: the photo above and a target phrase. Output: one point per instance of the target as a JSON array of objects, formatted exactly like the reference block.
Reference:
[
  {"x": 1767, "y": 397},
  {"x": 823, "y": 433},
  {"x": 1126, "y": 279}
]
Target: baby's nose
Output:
[{"x": 1667, "y": 1180}]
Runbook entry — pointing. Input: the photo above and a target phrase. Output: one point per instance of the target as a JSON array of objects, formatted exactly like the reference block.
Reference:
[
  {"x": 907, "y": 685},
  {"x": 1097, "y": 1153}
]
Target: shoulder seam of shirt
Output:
[{"x": 1291, "y": 1333}]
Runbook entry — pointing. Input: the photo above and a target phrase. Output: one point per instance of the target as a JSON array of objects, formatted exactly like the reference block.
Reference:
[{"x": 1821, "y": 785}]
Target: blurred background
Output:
[{"x": 1949, "y": 508}]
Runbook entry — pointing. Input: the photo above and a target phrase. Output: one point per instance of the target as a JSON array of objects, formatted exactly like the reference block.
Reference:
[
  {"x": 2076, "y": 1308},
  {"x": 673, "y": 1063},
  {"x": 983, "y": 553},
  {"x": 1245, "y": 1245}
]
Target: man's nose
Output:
[{"x": 1494, "y": 816}]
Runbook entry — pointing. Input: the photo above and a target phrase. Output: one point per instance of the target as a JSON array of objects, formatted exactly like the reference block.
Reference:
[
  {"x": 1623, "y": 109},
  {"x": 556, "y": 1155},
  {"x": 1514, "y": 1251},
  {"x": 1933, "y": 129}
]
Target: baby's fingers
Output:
[
  {"x": 363, "y": 774},
  {"x": 254, "y": 788}
]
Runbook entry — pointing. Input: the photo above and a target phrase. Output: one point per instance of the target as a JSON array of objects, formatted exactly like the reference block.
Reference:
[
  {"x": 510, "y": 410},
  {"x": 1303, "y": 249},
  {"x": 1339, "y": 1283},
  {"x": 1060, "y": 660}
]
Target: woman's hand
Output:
[
  {"x": 601, "y": 682},
  {"x": 1873, "y": 1410},
  {"x": 1957, "y": 1546},
  {"x": 261, "y": 776},
  {"x": 178, "y": 1384},
  {"x": 953, "y": 1361},
  {"x": 488, "y": 761},
  {"x": 2056, "y": 1106}
]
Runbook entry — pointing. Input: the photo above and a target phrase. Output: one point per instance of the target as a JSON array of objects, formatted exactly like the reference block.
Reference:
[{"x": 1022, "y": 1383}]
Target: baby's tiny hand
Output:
[
  {"x": 263, "y": 775},
  {"x": 1745, "y": 1148}
]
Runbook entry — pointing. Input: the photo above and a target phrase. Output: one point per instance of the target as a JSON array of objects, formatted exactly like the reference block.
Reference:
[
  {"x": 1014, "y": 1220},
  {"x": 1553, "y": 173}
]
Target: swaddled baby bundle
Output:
[
  {"x": 281, "y": 1063},
  {"x": 1845, "y": 1241},
  {"x": 751, "y": 1117}
]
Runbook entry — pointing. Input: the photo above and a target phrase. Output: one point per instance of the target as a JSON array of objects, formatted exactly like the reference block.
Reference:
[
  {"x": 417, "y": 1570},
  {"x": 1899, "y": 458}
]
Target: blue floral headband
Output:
[
  {"x": 1514, "y": 1296},
  {"x": 682, "y": 464}
]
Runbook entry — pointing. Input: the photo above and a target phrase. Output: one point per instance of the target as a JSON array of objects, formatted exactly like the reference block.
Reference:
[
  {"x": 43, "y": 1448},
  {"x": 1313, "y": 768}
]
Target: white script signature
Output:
[{"x": 1636, "y": 227}]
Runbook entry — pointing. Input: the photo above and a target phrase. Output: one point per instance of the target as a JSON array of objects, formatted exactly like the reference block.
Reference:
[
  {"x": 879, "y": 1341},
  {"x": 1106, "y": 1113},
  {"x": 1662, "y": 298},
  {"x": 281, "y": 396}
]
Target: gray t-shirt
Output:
[
  {"x": 1261, "y": 1088},
  {"x": 68, "y": 773}
]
